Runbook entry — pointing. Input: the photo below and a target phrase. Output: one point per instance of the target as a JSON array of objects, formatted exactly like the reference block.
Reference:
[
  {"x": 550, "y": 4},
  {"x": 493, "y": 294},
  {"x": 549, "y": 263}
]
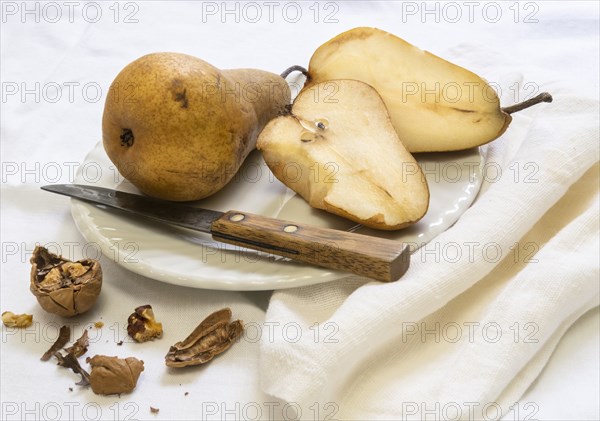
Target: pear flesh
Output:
[
  {"x": 435, "y": 105},
  {"x": 339, "y": 151},
  {"x": 179, "y": 128}
]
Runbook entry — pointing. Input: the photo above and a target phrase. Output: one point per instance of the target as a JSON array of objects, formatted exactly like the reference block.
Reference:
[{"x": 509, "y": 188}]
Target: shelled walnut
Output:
[
  {"x": 142, "y": 325},
  {"x": 11, "y": 319}
]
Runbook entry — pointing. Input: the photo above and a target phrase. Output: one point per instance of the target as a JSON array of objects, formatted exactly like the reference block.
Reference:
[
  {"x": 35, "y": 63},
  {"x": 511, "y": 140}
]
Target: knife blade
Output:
[{"x": 376, "y": 258}]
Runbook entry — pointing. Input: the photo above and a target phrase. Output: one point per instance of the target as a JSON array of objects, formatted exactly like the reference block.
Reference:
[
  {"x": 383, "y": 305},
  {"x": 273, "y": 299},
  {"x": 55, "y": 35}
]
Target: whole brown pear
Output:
[{"x": 179, "y": 128}]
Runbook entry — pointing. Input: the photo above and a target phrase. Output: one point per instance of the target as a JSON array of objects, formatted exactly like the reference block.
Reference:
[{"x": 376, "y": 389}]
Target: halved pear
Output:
[
  {"x": 338, "y": 149},
  {"x": 435, "y": 105}
]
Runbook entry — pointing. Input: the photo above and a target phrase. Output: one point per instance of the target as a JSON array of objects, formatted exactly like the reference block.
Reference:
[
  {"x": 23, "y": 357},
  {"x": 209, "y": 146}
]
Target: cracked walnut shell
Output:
[
  {"x": 142, "y": 326},
  {"x": 213, "y": 336},
  {"x": 64, "y": 287},
  {"x": 113, "y": 375}
]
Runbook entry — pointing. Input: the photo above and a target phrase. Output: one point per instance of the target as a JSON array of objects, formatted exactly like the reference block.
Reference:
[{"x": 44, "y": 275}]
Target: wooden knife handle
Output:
[{"x": 377, "y": 258}]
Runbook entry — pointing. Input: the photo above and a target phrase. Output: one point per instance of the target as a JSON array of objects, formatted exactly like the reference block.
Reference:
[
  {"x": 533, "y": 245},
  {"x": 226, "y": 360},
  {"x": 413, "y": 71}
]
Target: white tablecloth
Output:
[{"x": 58, "y": 60}]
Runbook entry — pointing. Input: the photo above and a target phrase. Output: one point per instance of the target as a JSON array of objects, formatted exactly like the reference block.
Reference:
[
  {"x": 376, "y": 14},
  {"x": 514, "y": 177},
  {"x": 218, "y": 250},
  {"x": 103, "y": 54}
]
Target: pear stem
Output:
[
  {"x": 295, "y": 68},
  {"x": 543, "y": 97}
]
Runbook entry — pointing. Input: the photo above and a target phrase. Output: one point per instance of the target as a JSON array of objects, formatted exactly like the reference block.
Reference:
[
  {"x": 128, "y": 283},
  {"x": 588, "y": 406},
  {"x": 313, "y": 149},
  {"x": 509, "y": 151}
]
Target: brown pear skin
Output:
[
  {"x": 179, "y": 128},
  {"x": 435, "y": 105}
]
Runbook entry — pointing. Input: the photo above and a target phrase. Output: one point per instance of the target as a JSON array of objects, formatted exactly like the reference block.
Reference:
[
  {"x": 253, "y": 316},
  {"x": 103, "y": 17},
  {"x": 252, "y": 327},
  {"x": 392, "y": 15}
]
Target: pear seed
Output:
[
  {"x": 307, "y": 137},
  {"x": 322, "y": 123}
]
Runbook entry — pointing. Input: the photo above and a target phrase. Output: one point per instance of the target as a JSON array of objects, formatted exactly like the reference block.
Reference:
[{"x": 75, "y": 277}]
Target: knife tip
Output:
[{"x": 54, "y": 188}]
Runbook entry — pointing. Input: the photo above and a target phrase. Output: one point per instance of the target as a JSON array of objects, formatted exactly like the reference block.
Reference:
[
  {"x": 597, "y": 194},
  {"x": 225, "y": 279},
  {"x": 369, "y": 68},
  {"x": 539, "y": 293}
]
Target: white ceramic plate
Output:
[{"x": 184, "y": 257}]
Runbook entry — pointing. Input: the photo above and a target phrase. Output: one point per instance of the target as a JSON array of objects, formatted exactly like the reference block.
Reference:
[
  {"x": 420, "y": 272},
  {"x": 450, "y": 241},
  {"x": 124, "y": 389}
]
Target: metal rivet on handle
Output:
[
  {"x": 237, "y": 217},
  {"x": 290, "y": 228}
]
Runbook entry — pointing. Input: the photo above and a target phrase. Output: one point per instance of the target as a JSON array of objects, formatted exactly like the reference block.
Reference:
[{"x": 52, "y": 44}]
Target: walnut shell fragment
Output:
[
  {"x": 80, "y": 346},
  {"x": 63, "y": 287},
  {"x": 63, "y": 337},
  {"x": 69, "y": 360},
  {"x": 112, "y": 375},
  {"x": 142, "y": 325},
  {"x": 214, "y": 335},
  {"x": 11, "y": 319}
]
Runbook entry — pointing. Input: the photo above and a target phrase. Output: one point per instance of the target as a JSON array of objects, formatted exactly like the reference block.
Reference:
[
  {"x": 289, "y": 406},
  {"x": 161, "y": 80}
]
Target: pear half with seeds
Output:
[
  {"x": 435, "y": 105},
  {"x": 338, "y": 149}
]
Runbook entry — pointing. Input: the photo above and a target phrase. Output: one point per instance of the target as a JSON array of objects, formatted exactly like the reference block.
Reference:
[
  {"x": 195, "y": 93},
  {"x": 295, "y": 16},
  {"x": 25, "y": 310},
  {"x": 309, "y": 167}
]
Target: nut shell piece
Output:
[
  {"x": 64, "y": 287},
  {"x": 113, "y": 375},
  {"x": 213, "y": 336}
]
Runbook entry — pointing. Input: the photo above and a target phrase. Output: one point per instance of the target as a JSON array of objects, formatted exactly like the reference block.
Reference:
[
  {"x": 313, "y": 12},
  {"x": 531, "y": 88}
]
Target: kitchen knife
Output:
[{"x": 377, "y": 258}]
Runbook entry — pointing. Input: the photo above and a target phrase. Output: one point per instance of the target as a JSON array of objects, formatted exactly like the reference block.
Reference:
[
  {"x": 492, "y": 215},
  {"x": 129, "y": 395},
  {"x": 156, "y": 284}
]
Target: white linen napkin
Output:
[{"x": 465, "y": 331}]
